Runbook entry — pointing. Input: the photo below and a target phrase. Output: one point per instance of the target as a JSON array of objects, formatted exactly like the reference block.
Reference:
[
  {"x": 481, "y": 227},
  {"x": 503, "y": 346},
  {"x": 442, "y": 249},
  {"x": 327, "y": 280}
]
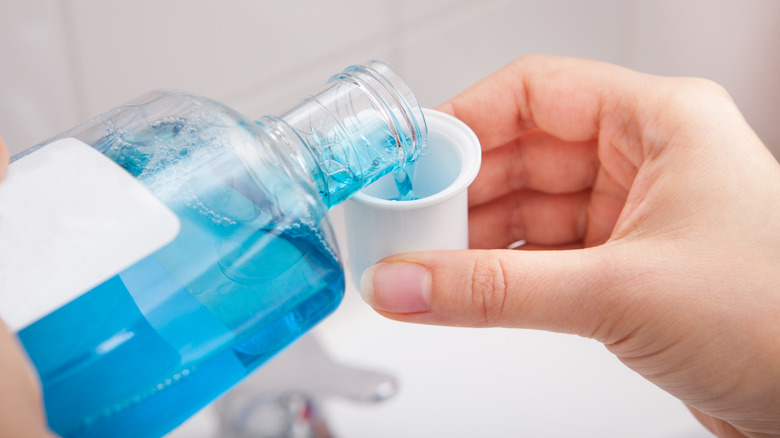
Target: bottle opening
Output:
[
  {"x": 450, "y": 164},
  {"x": 400, "y": 107},
  {"x": 364, "y": 125}
]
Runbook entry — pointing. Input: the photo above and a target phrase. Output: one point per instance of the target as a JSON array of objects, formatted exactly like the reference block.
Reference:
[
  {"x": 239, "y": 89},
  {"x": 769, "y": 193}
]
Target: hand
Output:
[
  {"x": 21, "y": 412},
  {"x": 3, "y": 158},
  {"x": 655, "y": 210}
]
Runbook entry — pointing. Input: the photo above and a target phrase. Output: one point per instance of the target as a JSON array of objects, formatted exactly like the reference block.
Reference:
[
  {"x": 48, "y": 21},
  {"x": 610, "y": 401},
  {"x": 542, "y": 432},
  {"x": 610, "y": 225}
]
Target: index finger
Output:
[{"x": 570, "y": 99}]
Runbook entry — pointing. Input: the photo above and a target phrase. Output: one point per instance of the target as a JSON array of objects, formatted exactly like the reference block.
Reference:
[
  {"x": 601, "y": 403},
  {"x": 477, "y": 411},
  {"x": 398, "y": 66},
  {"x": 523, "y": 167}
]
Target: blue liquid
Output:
[
  {"x": 113, "y": 363},
  {"x": 404, "y": 183},
  {"x": 353, "y": 154},
  {"x": 145, "y": 350}
]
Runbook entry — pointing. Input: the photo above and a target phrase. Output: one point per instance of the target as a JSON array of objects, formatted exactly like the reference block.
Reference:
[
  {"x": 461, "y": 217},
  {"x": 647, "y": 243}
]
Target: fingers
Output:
[
  {"x": 20, "y": 401},
  {"x": 564, "y": 291},
  {"x": 570, "y": 99},
  {"x": 586, "y": 217},
  {"x": 3, "y": 158},
  {"x": 535, "y": 161},
  {"x": 537, "y": 218},
  {"x": 716, "y": 426}
]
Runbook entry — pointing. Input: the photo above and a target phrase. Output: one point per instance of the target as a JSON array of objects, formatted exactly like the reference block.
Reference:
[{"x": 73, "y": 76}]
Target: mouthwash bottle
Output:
[{"x": 202, "y": 244}]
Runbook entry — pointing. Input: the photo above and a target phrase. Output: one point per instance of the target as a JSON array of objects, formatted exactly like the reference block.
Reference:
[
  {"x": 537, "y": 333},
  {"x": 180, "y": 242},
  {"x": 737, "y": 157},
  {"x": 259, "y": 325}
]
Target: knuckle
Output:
[
  {"x": 488, "y": 288},
  {"x": 698, "y": 91},
  {"x": 690, "y": 105},
  {"x": 709, "y": 87}
]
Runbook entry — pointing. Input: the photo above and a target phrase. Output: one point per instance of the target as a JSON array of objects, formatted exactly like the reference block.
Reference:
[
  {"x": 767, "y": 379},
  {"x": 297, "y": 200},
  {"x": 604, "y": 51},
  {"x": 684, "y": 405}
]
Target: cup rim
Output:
[{"x": 471, "y": 157}]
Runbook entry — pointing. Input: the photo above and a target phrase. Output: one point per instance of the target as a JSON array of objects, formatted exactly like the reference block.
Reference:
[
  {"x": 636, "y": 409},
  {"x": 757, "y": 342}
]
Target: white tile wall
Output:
[
  {"x": 445, "y": 53},
  {"x": 66, "y": 60},
  {"x": 37, "y": 98},
  {"x": 218, "y": 49}
]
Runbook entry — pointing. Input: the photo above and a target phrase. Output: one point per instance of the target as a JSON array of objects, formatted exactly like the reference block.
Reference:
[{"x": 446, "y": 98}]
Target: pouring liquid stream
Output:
[{"x": 404, "y": 183}]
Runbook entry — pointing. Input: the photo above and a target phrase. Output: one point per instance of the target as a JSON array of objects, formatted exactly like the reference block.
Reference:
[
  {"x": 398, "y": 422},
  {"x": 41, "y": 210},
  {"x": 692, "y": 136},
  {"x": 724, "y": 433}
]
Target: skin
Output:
[
  {"x": 3, "y": 158},
  {"x": 21, "y": 409},
  {"x": 652, "y": 215},
  {"x": 653, "y": 220}
]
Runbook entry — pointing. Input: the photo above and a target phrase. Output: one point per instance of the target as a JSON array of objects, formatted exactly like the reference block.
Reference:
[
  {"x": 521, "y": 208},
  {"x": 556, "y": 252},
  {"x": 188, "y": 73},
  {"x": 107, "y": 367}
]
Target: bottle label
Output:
[{"x": 70, "y": 218}]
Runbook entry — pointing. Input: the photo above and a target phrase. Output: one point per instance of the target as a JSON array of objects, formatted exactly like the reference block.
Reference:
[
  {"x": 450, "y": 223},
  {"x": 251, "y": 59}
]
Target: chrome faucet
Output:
[{"x": 283, "y": 398}]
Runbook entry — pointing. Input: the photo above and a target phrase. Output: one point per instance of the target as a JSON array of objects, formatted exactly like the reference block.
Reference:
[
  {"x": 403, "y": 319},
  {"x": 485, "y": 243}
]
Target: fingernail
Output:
[{"x": 397, "y": 287}]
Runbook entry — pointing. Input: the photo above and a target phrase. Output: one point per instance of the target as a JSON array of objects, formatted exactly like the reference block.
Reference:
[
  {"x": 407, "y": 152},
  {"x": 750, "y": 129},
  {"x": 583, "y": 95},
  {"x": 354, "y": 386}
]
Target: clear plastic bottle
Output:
[{"x": 253, "y": 266}]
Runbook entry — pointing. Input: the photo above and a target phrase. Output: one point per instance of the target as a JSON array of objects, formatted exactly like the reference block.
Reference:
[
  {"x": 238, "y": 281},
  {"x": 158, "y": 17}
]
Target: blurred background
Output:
[
  {"x": 63, "y": 61},
  {"x": 66, "y": 60}
]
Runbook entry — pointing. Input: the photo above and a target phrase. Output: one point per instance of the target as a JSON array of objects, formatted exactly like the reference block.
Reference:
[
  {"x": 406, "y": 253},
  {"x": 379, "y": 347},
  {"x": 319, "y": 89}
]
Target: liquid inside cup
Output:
[
  {"x": 435, "y": 171},
  {"x": 378, "y": 225}
]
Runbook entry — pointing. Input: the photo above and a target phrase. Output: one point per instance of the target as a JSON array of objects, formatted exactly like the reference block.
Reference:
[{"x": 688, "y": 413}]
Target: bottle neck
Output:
[{"x": 364, "y": 125}]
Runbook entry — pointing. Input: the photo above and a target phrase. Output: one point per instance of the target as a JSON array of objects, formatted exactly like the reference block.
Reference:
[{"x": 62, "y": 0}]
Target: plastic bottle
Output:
[{"x": 248, "y": 262}]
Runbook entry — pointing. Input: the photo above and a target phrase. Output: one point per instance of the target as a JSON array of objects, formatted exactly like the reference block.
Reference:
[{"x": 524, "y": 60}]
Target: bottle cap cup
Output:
[{"x": 378, "y": 226}]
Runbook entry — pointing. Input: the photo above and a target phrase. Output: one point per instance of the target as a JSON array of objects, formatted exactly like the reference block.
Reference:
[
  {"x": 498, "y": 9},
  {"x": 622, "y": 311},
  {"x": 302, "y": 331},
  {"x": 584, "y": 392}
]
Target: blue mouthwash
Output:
[
  {"x": 403, "y": 182},
  {"x": 254, "y": 264}
]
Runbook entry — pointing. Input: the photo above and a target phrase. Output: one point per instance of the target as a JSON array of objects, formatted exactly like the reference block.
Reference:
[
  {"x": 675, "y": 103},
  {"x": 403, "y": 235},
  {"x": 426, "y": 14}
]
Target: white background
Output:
[{"x": 62, "y": 61}]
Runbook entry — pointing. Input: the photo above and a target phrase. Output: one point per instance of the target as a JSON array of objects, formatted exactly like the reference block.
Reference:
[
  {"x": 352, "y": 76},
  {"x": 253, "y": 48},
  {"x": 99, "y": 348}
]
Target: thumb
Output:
[{"x": 563, "y": 291}]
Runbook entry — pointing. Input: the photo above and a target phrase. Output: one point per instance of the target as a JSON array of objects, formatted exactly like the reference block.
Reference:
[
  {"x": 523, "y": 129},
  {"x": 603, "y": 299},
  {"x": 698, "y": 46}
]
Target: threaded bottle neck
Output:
[{"x": 365, "y": 124}]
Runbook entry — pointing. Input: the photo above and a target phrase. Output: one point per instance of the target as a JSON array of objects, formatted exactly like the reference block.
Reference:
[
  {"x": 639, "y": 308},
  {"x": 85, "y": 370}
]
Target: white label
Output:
[{"x": 70, "y": 219}]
